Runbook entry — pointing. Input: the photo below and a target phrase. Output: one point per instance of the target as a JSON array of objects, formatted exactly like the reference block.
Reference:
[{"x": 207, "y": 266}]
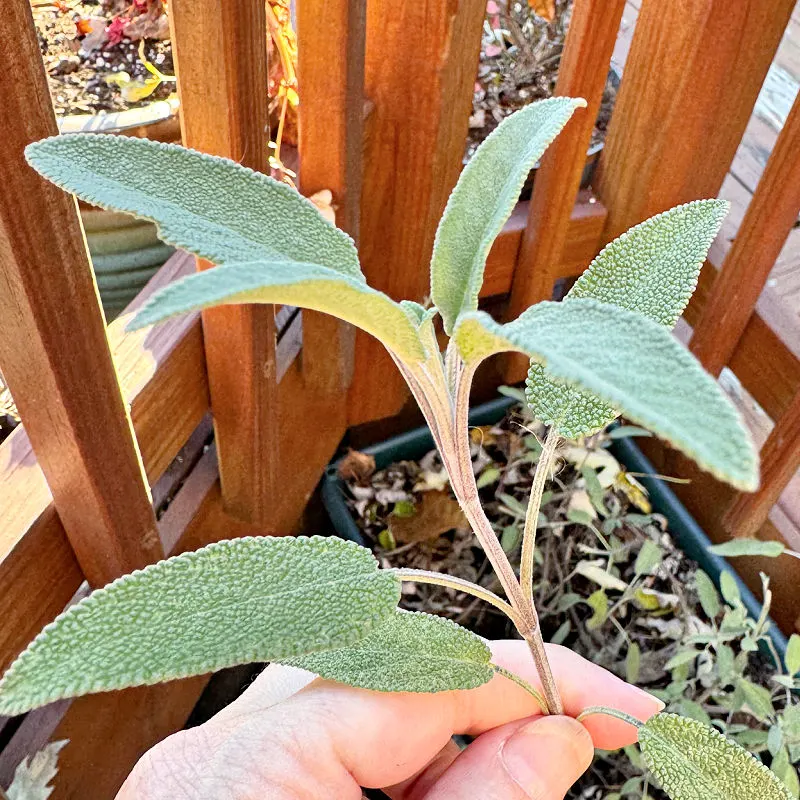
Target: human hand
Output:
[{"x": 290, "y": 737}]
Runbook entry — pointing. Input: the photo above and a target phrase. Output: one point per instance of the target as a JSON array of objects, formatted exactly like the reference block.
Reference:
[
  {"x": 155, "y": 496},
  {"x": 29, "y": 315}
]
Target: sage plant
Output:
[{"x": 321, "y": 603}]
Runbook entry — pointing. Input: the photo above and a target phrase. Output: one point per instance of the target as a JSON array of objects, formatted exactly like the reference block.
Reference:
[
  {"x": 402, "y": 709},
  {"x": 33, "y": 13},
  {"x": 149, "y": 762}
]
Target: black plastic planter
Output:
[{"x": 688, "y": 535}]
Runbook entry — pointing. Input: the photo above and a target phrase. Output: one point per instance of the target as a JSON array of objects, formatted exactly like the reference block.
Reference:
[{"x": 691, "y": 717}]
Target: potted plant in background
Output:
[
  {"x": 607, "y": 348},
  {"x": 110, "y": 70}
]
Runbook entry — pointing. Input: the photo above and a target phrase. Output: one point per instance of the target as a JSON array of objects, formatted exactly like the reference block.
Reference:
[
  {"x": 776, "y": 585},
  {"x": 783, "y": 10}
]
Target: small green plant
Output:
[{"x": 323, "y": 604}]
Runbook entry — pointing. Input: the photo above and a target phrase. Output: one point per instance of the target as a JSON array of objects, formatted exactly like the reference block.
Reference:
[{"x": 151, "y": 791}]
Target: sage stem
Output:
[
  {"x": 459, "y": 584},
  {"x": 543, "y": 467}
]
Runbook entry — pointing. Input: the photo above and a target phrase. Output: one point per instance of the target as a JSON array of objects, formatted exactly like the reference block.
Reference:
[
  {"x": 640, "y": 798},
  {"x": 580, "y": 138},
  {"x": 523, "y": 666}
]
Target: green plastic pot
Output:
[
  {"x": 683, "y": 528},
  {"x": 126, "y": 252}
]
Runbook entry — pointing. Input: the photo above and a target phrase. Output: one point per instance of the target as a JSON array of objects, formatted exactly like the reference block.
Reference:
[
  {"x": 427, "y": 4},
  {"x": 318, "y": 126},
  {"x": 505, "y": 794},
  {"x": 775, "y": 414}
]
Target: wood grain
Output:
[
  {"x": 691, "y": 80},
  {"x": 164, "y": 383},
  {"x": 769, "y": 220},
  {"x": 583, "y": 241},
  {"x": 767, "y": 367},
  {"x": 108, "y": 733},
  {"x": 221, "y": 63},
  {"x": 582, "y": 73},
  {"x": 780, "y": 460},
  {"x": 331, "y": 39},
  {"x": 707, "y": 500},
  {"x": 70, "y": 402},
  {"x": 421, "y": 62}
]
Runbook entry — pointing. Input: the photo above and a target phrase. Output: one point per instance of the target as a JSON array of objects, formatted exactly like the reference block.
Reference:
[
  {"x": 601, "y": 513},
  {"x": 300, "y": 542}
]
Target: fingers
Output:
[
  {"x": 286, "y": 744},
  {"x": 529, "y": 760},
  {"x": 362, "y": 727},
  {"x": 581, "y": 685}
]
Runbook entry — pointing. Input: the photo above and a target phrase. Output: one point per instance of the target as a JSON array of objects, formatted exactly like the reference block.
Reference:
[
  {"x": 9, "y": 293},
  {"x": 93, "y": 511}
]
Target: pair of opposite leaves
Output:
[
  {"x": 320, "y": 604},
  {"x": 276, "y": 249},
  {"x": 606, "y": 350}
]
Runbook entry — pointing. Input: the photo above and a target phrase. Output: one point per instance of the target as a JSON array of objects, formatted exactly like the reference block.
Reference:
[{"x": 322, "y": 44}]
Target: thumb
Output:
[{"x": 527, "y": 760}]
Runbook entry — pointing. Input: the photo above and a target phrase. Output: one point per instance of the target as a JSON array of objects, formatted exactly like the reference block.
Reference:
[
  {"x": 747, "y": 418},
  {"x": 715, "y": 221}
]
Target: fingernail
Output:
[
  {"x": 651, "y": 698},
  {"x": 549, "y": 748}
]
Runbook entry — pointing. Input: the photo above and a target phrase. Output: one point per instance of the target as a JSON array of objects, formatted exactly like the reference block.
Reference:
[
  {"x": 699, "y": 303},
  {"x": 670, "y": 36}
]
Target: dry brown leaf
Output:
[
  {"x": 482, "y": 435},
  {"x": 357, "y": 466},
  {"x": 436, "y": 513},
  {"x": 544, "y": 8}
]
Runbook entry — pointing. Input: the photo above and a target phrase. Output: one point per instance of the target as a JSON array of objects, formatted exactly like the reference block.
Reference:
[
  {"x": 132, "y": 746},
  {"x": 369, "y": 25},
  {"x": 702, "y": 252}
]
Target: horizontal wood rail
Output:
[{"x": 584, "y": 239}]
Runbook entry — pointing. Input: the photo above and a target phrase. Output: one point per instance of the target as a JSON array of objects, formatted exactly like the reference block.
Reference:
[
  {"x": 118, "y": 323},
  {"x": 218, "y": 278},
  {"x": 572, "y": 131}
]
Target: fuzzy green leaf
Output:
[
  {"x": 483, "y": 199},
  {"x": 291, "y": 283},
  {"x": 748, "y": 547},
  {"x": 792, "y": 657},
  {"x": 651, "y": 269},
  {"x": 635, "y": 365},
  {"x": 707, "y": 594},
  {"x": 411, "y": 652},
  {"x": 233, "y": 602},
  {"x": 210, "y": 206},
  {"x": 694, "y": 762}
]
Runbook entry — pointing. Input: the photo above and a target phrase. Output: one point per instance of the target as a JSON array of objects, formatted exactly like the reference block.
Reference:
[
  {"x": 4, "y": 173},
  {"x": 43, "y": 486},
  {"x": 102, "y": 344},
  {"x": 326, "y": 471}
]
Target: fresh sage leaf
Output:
[
  {"x": 649, "y": 558},
  {"x": 233, "y": 602},
  {"x": 633, "y": 661},
  {"x": 681, "y": 659},
  {"x": 729, "y": 588},
  {"x": 707, "y": 594},
  {"x": 409, "y": 652},
  {"x": 748, "y": 547},
  {"x": 290, "y": 283},
  {"x": 483, "y": 199},
  {"x": 792, "y": 657},
  {"x": 694, "y": 762},
  {"x": 757, "y": 698},
  {"x": 783, "y": 768},
  {"x": 651, "y": 269},
  {"x": 212, "y": 207},
  {"x": 634, "y": 364}
]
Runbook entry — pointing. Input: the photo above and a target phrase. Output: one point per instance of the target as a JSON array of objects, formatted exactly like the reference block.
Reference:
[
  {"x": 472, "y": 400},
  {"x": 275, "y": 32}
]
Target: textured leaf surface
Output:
[
  {"x": 484, "y": 198},
  {"x": 652, "y": 269},
  {"x": 411, "y": 652},
  {"x": 694, "y": 762},
  {"x": 210, "y": 206},
  {"x": 633, "y": 364},
  {"x": 249, "y": 599},
  {"x": 291, "y": 283},
  {"x": 748, "y": 547}
]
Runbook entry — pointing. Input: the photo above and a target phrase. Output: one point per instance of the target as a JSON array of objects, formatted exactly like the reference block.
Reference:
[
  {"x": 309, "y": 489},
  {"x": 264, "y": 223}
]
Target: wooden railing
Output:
[{"x": 112, "y": 469}]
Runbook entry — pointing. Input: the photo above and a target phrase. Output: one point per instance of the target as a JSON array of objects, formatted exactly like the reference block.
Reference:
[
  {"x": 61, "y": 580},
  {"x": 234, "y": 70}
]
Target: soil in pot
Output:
[
  {"x": 611, "y": 585},
  {"x": 87, "y": 46},
  {"x": 519, "y": 60}
]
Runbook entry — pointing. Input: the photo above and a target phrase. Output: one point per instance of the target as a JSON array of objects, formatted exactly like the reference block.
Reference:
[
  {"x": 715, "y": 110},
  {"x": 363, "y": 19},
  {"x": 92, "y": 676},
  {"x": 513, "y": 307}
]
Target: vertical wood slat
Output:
[
  {"x": 53, "y": 347},
  {"x": 767, "y": 223},
  {"x": 331, "y": 36},
  {"x": 780, "y": 460},
  {"x": 421, "y": 62},
  {"x": 583, "y": 73},
  {"x": 692, "y": 77},
  {"x": 221, "y": 63}
]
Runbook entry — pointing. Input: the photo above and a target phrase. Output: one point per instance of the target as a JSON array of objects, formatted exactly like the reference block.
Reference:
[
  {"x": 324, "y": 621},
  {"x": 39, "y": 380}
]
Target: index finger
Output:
[{"x": 360, "y": 728}]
